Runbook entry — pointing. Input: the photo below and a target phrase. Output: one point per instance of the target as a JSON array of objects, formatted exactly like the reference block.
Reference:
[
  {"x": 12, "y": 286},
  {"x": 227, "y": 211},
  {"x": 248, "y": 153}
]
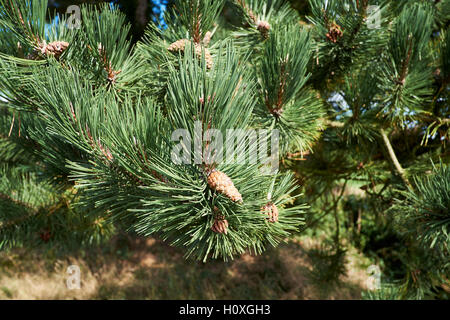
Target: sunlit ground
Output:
[{"x": 130, "y": 268}]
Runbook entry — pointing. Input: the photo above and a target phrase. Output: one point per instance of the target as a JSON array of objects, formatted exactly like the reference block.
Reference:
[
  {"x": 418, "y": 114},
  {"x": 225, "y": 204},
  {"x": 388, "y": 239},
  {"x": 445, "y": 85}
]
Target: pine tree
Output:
[
  {"x": 101, "y": 113},
  {"x": 357, "y": 94}
]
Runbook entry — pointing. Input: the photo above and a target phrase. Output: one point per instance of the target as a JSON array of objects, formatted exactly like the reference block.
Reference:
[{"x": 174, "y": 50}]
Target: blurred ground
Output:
[{"x": 133, "y": 268}]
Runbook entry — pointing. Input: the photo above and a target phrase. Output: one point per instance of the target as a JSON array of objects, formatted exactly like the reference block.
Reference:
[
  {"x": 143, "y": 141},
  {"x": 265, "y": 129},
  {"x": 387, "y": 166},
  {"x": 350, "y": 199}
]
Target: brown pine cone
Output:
[
  {"x": 220, "y": 225},
  {"x": 55, "y": 48},
  {"x": 271, "y": 211},
  {"x": 221, "y": 183}
]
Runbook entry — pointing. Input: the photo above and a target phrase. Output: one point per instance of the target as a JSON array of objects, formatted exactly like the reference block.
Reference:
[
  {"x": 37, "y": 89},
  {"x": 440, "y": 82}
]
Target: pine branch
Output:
[
  {"x": 393, "y": 158},
  {"x": 405, "y": 65}
]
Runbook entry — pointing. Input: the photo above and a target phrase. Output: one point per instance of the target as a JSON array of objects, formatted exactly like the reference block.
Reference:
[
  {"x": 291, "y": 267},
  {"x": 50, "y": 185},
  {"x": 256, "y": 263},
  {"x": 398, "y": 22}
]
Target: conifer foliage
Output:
[
  {"x": 100, "y": 115},
  {"x": 99, "y": 135}
]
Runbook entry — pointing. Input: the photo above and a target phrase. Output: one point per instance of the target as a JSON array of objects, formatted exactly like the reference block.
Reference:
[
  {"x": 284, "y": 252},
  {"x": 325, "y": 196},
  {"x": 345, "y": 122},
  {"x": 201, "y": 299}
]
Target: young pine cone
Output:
[
  {"x": 179, "y": 46},
  {"x": 271, "y": 211},
  {"x": 220, "y": 225},
  {"x": 220, "y": 182},
  {"x": 263, "y": 27},
  {"x": 334, "y": 33},
  {"x": 55, "y": 48}
]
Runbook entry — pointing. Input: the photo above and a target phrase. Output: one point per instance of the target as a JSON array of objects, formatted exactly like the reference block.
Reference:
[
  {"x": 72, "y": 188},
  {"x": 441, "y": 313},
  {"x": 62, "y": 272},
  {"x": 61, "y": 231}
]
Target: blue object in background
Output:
[{"x": 159, "y": 7}]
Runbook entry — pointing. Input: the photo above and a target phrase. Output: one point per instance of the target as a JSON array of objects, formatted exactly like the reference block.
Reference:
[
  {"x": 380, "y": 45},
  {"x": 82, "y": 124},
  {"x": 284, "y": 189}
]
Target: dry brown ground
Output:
[{"x": 150, "y": 269}]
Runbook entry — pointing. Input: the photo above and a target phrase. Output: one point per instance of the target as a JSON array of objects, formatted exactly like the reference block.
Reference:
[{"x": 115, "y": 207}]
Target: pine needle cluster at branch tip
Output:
[
  {"x": 221, "y": 183},
  {"x": 112, "y": 74},
  {"x": 271, "y": 210},
  {"x": 179, "y": 46}
]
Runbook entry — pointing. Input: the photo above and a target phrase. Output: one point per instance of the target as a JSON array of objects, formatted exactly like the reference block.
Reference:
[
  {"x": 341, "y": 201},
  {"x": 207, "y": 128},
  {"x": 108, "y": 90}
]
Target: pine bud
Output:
[
  {"x": 263, "y": 27},
  {"x": 221, "y": 183},
  {"x": 210, "y": 99},
  {"x": 100, "y": 49},
  {"x": 20, "y": 50},
  {"x": 271, "y": 211}
]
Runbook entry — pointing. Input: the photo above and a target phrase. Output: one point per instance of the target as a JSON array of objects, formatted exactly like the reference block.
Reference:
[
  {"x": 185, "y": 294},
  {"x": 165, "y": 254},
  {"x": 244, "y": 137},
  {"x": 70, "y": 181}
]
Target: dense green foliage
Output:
[{"x": 358, "y": 96}]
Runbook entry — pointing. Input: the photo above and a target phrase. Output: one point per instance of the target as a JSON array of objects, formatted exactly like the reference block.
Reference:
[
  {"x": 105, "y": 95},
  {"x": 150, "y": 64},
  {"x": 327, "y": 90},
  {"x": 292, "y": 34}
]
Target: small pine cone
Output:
[
  {"x": 220, "y": 225},
  {"x": 208, "y": 57},
  {"x": 55, "y": 48},
  {"x": 178, "y": 46},
  {"x": 437, "y": 73},
  {"x": 220, "y": 182},
  {"x": 263, "y": 27},
  {"x": 271, "y": 211},
  {"x": 334, "y": 33}
]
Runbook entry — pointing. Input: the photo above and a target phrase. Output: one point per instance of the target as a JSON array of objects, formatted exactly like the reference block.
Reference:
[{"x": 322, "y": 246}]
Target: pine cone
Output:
[
  {"x": 55, "y": 49},
  {"x": 334, "y": 33},
  {"x": 208, "y": 57},
  {"x": 270, "y": 210},
  {"x": 263, "y": 27},
  {"x": 179, "y": 46},
  {"x": 220, "y": 225},
  {"x": 220, "y": 182}
]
